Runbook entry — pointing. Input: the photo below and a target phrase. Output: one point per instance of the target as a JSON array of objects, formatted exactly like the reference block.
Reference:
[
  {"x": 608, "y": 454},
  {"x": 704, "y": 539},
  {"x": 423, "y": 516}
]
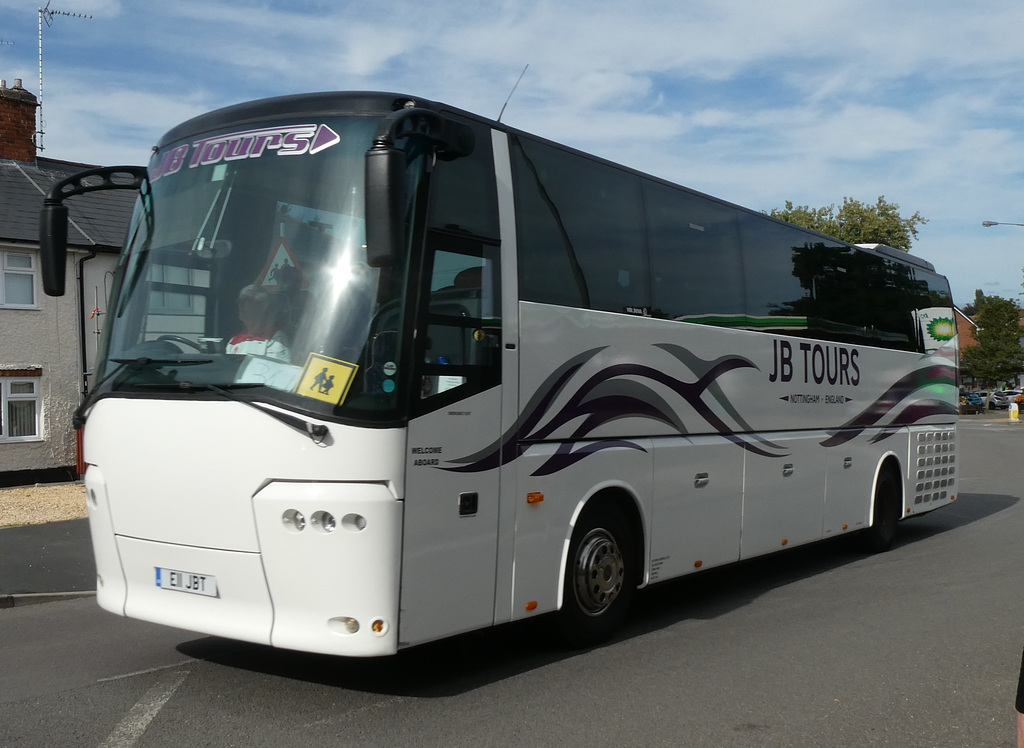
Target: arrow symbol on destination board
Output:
[{"x": 325, "y": 137}]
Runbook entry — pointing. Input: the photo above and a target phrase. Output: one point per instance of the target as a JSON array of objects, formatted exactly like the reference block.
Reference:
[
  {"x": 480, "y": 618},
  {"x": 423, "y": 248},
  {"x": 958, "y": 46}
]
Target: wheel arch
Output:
[
  {"x": 625, "y": 498},
  {"x": 889, "y": 462}
]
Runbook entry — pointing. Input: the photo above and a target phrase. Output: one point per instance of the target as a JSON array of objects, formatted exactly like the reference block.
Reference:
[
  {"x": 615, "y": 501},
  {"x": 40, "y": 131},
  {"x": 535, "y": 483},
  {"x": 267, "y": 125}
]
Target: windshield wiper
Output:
[
  {"x": 315, "y": 431},
  {"x": 147, "y": 361},
  {"x": 79, "y": 416}
]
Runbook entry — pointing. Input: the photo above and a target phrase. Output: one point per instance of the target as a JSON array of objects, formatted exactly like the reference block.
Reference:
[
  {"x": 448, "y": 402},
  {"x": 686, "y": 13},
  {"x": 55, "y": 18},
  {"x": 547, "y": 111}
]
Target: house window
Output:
[
  {"x": 18, "y": 288},
  {"x": 19, "y": 409}
]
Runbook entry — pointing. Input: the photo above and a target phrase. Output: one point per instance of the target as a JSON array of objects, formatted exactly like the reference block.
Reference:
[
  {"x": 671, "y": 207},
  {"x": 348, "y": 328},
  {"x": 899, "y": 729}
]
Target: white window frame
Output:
[
  {"x": 7, "y": 396},
  {"x": 188, "y": 300},
  {"x": 8, "y": 269}
]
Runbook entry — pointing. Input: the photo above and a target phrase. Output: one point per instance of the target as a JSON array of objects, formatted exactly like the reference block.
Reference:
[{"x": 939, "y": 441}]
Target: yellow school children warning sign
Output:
[{"x": 325, "y": 378}]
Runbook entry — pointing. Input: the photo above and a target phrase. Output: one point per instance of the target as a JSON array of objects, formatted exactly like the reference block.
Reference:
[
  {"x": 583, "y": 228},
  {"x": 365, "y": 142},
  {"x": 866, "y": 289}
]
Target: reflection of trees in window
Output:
[{"x": 859, "y": 297}]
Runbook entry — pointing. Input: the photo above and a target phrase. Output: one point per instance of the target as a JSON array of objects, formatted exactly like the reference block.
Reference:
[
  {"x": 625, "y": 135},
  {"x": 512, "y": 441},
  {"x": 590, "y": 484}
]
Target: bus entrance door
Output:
[
  {"x": 452, "y": 465},
  {"x": 451, "y": 521}
]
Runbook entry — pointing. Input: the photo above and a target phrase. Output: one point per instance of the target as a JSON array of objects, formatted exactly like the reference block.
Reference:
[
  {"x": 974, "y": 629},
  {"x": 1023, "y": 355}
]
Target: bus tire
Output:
[
  {"x": 600, "y": 576},
  {"x": 887, "y": 505}
]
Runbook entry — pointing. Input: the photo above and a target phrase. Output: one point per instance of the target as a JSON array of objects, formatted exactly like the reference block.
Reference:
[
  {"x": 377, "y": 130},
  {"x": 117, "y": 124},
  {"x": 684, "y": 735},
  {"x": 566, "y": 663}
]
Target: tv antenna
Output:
[{"x": 46, "y": 13}]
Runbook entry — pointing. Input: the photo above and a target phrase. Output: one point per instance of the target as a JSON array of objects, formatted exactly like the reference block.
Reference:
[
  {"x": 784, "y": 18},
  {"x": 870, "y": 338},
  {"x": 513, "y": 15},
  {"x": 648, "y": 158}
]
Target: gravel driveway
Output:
[{"x": 41, "y": 503}]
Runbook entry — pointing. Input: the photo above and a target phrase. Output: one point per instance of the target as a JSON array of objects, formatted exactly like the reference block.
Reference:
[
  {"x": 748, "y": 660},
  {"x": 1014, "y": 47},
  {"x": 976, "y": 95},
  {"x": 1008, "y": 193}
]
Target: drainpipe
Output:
[
  {"x": 81, "y": 322},
  {"x": 83, "y": 350}
]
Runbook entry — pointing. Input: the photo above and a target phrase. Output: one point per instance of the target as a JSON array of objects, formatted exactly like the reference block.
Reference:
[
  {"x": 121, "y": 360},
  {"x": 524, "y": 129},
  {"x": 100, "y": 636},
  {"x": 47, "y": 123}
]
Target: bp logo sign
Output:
[{"x": 942, "y": 328}]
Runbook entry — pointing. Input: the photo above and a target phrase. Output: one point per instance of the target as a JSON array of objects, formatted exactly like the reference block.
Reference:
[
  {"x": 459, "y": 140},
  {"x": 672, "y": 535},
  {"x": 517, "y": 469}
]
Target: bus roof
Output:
[{"x": 898, "y": 254}]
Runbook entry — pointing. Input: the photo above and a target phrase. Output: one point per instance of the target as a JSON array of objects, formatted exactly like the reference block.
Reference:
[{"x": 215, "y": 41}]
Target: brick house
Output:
[
  {"x": 47, "y": 345},
  {"x": 966, "y": 335},
  {"x": 966, "y": 329}
]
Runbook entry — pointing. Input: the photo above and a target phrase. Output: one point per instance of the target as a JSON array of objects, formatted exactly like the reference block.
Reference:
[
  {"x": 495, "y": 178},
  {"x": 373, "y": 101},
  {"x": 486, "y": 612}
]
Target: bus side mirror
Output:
[
  {"x": 53, "y": 218},
  {"x": 386, "y": 180},
  {"x": 53, "y": 247},
  {"x": 385, "y": 201}
]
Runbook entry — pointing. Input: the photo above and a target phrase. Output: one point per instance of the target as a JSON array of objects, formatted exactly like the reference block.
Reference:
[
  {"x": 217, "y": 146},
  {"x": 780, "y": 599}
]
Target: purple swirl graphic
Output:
[
  {"x": 884, "y": 408},
  {"x": 616, "y": 392}
]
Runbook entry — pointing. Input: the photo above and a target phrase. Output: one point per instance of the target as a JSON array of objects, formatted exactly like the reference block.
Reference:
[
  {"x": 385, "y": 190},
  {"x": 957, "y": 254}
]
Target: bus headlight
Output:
[
  {"x": 324, "y": 521},
  {"x": 294, "y": 520},
  {"x": 354, "y": 522}
]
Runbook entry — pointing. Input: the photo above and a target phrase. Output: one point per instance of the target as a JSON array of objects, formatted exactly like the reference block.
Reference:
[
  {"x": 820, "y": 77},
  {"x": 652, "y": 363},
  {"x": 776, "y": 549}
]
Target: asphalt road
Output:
[{"x": 821, "y": 646}]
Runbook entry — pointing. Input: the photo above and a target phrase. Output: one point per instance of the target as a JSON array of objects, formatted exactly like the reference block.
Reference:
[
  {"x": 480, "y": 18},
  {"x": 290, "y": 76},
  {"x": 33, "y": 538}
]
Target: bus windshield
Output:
[{"x": 246, "y": 268}]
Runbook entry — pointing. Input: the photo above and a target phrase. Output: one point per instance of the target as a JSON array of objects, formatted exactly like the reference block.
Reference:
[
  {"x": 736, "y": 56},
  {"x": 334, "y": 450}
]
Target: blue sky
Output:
[{"x": 753, "y": 102}]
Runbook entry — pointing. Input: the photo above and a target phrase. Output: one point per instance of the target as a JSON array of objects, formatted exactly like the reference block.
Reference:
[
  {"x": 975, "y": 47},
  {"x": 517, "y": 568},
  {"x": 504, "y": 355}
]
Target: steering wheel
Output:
[{"x": 181, "y": 340}]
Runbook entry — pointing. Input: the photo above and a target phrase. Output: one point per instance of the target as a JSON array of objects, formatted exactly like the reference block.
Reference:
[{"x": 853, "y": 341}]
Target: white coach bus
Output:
[{"x": 377, "y": 371}]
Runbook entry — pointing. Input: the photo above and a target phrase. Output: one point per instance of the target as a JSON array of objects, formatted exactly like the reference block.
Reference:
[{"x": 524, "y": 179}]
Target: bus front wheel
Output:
[
  {"x": 600, "y": 576},
  {"x": 887, "y": 506}
]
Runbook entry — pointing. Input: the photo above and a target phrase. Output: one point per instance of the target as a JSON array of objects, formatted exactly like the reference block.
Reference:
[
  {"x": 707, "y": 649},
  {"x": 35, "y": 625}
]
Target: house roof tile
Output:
[{"x": 97, "y": 220}]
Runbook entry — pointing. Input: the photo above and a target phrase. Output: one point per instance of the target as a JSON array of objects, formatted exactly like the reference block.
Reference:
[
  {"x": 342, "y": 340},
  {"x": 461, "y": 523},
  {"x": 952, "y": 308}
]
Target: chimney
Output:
[{"x": 17, "y": 122}]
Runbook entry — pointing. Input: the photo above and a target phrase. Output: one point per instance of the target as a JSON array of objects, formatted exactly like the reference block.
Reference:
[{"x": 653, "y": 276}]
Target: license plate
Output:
[{"x": 186, "y": 581}]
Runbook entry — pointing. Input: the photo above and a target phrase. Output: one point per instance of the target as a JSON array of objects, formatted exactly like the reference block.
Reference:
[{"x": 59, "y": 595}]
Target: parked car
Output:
[
  {"x": 971, "y": 403},
  {"x": 1002, "y": 398}
]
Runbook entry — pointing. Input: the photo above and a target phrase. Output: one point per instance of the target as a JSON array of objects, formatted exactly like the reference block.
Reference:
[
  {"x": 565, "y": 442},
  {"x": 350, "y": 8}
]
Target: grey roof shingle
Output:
[{"x": 98, "y": 220}]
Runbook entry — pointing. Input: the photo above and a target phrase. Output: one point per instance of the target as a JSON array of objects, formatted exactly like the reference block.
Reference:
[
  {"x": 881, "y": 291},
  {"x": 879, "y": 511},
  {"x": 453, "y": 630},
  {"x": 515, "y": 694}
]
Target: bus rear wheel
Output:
[
  {"x": 887, "y": 505},
  {"x": 600, "y": 576}
]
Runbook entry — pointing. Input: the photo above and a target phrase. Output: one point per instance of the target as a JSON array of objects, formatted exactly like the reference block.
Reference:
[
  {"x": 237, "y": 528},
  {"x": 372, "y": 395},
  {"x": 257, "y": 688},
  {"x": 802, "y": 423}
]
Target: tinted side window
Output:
[
  {"x": 695, "y": 257},
  {"x": 827, "y": 302},
  {"x": 931, "y": 291},
  {"x": 776, "y": 293},
  {"x": 934, "y": 310},
  {"x": 801, "y": 284},
  {"x": 798, "y": 283},
  {"x": 463, "y": 194},
  {"x": 860, "y": 297},
  {"x": 459, "y": 350},
  {"x": 580, "y": 230},
  {"x": 896, "y": 294}
]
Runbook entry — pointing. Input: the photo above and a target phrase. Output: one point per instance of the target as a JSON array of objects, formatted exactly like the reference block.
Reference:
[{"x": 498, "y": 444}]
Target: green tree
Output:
[
  {"x": 998, "y": 356},
  {"x": 857, "y": 222}
]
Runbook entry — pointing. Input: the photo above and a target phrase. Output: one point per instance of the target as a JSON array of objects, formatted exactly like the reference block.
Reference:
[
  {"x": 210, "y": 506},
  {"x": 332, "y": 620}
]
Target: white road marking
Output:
[
  {"x": 147, "y": 671},
  {"x": 134, "y": 724}
]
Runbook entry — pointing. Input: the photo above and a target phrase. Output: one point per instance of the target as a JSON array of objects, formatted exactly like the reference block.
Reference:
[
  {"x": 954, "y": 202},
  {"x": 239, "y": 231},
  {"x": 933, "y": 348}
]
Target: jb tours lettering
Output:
[
  {"x": 286, "y": 140},
  {"x": 814, "y": 362}
]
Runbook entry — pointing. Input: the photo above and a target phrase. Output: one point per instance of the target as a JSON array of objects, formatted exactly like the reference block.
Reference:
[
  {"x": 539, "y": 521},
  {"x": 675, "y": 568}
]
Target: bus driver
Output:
[{"x": 261, "y": 313}]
